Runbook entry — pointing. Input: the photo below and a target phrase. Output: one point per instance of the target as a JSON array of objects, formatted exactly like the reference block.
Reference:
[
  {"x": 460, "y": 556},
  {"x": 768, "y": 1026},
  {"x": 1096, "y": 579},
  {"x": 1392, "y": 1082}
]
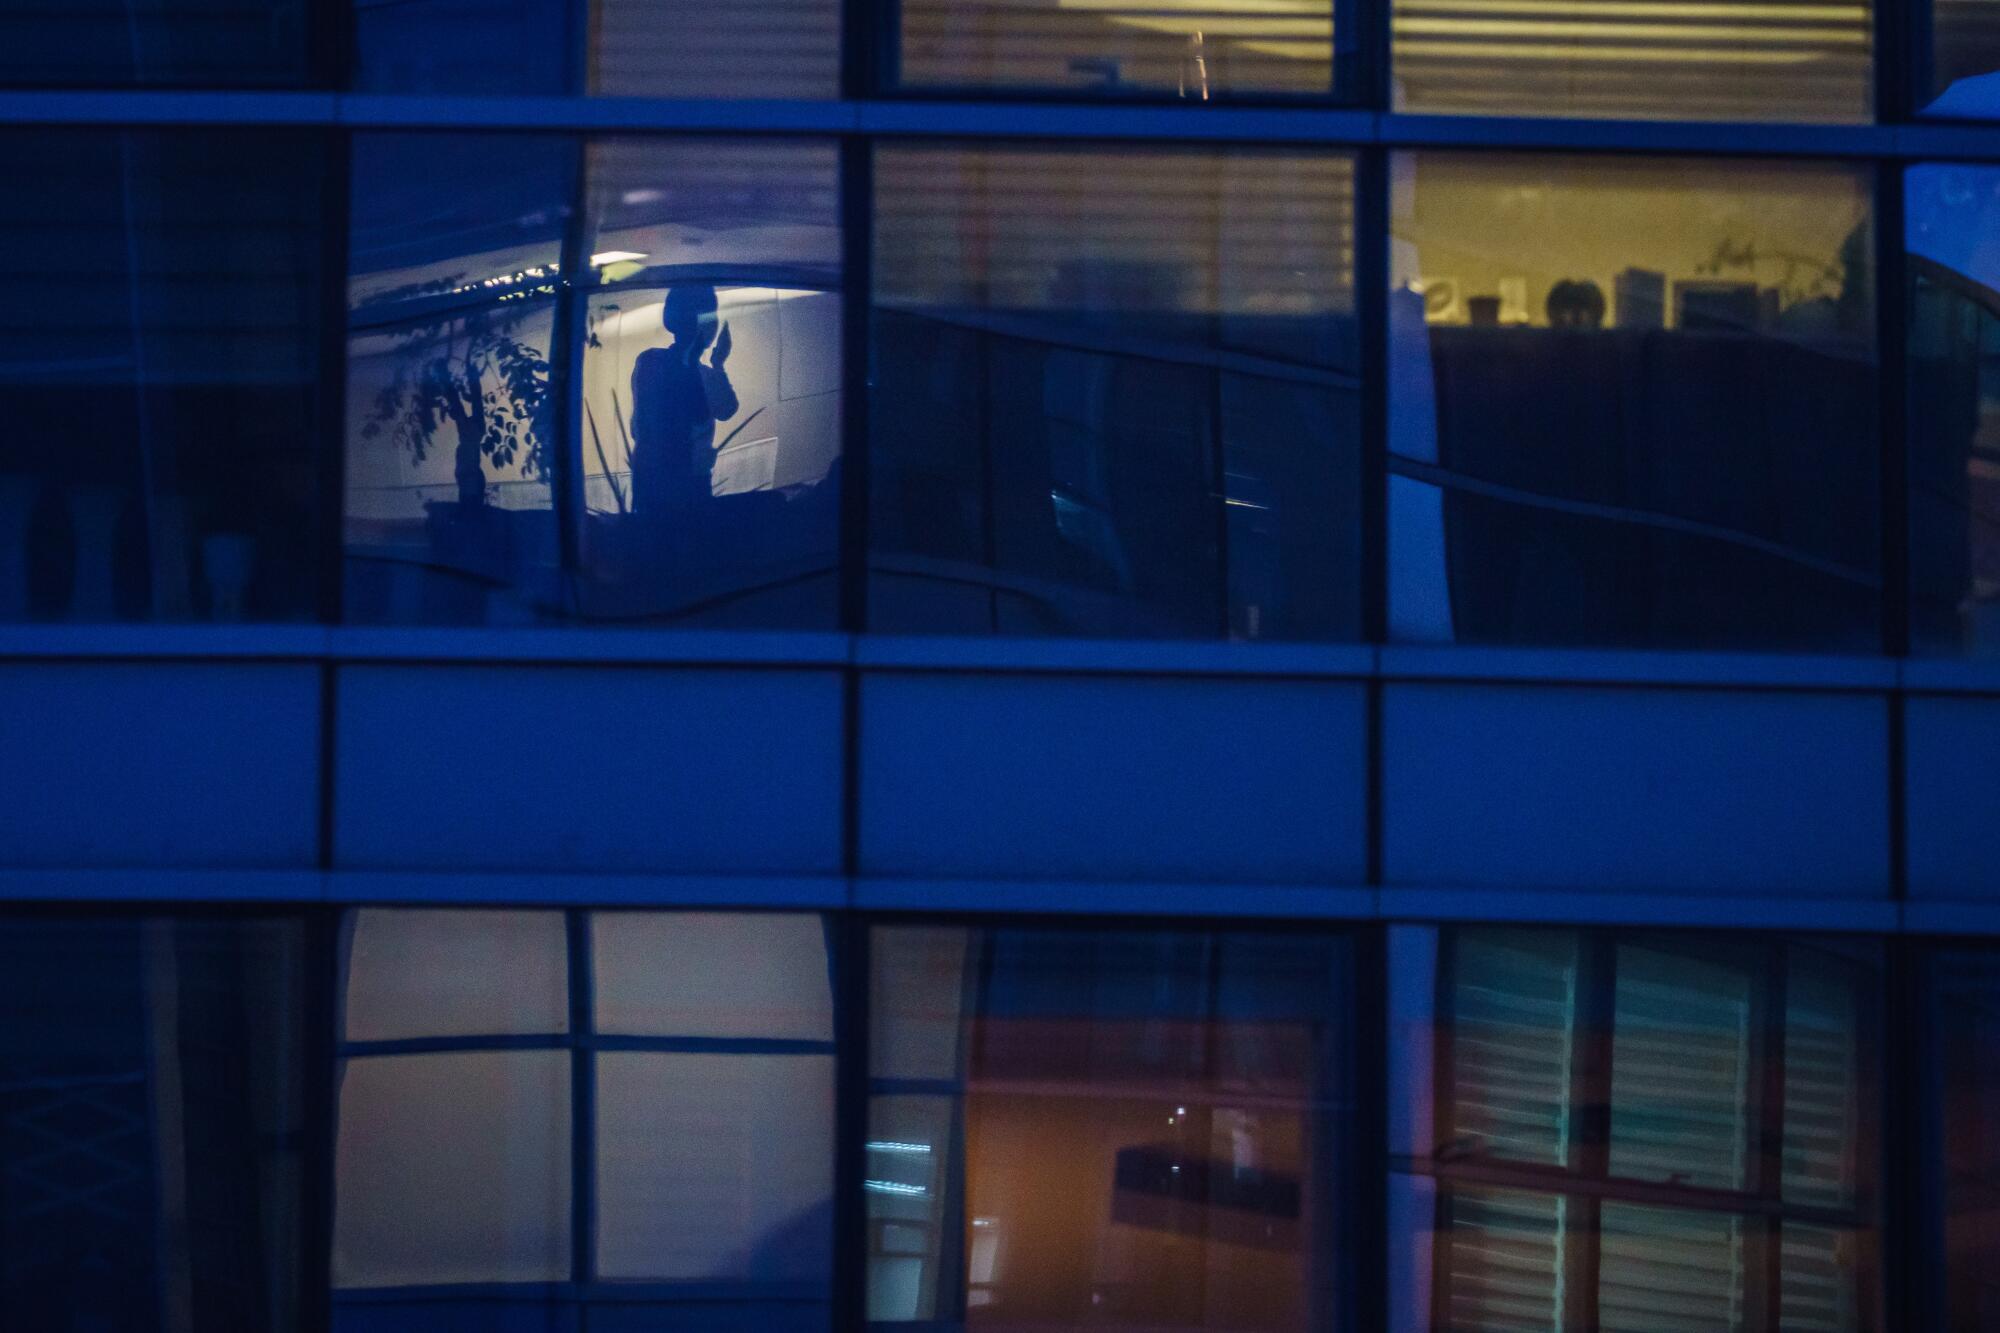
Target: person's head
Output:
[
  {"x": 690, "y": 315},
  {"x": 1576, "y": 304}
]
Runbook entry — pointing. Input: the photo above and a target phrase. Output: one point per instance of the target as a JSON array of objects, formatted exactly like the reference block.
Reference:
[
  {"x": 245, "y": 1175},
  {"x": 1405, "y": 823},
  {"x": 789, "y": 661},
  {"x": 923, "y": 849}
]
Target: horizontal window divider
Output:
[
  {"x": 1664, "y": 907},
  {"x": 1104, "y": 897},
  {"x": 1543, "y": 1179},
  {"x": 1331, "y": 125},
  {"x": 604, "y": 1041},
  {"x": 548, "y": 1041},
  {"x": 1641, "y": 668},
  {"x": 603, "y": 1291},
  {"x": 587, "y": 889}
]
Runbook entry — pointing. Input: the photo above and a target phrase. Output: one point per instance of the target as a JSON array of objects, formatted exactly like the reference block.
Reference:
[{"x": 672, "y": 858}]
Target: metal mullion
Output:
[
  {"x": 857, "y": 221},
  {"x": 395, "y": 1046},
  {"x": 851, "y": 972},
  {"x": 1764, "y": 1287},
  {"x": 1370, "y": 284},
  {"x": 1911, "y": 1205},
  {"x": 583, "y": 1099},
  {"x": 568, "y": 336},
  {"x": 1590, "y": 1100}
]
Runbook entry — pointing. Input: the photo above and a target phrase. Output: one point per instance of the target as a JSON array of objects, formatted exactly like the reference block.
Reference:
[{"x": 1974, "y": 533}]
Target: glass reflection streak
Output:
[{"x": 1119, "y": 1129}]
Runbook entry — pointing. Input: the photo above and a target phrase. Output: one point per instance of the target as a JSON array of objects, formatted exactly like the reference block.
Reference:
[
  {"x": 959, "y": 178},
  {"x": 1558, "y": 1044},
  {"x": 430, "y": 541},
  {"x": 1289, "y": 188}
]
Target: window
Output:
[
  {"x": 1632, "y": 1131},
  {"x": 1954, "y": 408},
  {"x": 593, "y": 382},
  {"x": 615, "y": 48},
  {"x": 1632, "y": 403},
  {"x": 1785, "y": 60},
  {"x": 1197, "y": 52},
  {"x": 152, "y": 1121},
  {"x": 1961, "y": 1098},
  {"x": 160, "y": 44},
  {"x": 1133, "y": 1129},
  {"x": 630, "y": 1111},
  {"x": 1114, "y": 393},
  {"x": 1958, "y": 58},
  {"x": 158, "y": 372}
]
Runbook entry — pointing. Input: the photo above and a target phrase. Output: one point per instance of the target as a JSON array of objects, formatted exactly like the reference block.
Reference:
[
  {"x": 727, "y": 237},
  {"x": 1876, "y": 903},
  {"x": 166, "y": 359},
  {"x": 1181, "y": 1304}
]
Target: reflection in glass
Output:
[
  {"x": 1785, "y": 60},
  {"x": 159, "y": 44},
  {"x": 1954, "y": 407},
  {"x": 1632, "y": 403},
  {"x": 1129, "y": 1130},
  {"x": 1959, "y": 65},
  {"x": 593, "y": 382},
  {"x": 1114, "y": 393},
  {"x": 661, "y": 1145},
  {"x": 1645, "y": 1132},
  {"x": 1962, "y": 1020},
  {"x": 151, "y": 1119},
  {"x": 1197, "y": 51},
  {"x": 618, "y": 48},
  {"x": 158, "y": 362}
]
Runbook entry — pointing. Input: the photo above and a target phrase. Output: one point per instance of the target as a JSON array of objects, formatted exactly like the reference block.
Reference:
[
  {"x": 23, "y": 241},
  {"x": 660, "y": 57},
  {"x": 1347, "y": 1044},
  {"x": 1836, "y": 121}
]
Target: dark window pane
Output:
[
  {"x": 1786, "y": 60},
  {"x": 158, "y": 362},
  {"x": 1964, "y": 1133},
  {"x": 151, "y": 1117},
  {"x": 1197, "y": 51},
  {"x": 584, "y": 1119},
  {"x": 1114, "y": 393},
  {"x": 1954, "y": 406},
  {"x": 1644, "y": 1131},
  {"x": 617, "y": 48},
  {"x": 1632, "y": 403},
  {"x": 1131, "y": 1130},
  {"x": 1959, "y": 67},
  {"x": 593, "y": 382},
  {"x": 155, "y": 44}
]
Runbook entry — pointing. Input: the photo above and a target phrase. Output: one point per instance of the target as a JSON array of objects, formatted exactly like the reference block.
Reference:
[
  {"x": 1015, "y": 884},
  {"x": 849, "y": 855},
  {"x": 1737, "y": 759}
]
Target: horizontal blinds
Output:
[
  {"x": 1512, "y": 1042},
  {"x": 1505, "y": 1262},
  {"x": 687, "y": 48},
  {"x": 1111, "y": 232},
  {"x": 1793, "y": 60},
  {"x": 1680, "y": 1071},
  {"x": 1190, "y": 48},
  {"x": 1669, "y": 1271}
]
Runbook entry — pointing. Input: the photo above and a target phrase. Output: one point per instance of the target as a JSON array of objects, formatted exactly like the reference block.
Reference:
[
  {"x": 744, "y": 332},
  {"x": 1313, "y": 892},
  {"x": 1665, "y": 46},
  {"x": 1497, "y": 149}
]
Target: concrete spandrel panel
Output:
[
  {"x": 1952, "y": 768},
  {"x": 671, "y": 770},
  {"x": 1122, "y": 778},
  {"x": 159, "y": 764},
  {"x": 1761, "y": 793}
]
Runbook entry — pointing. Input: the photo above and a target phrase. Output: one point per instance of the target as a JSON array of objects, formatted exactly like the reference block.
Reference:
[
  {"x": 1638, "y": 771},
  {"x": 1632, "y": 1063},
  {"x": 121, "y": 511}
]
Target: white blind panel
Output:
[
  {"x": 1513, "y": 1036},
  {"x": 1112, "y": 231},
  {"x": 744, "y": 48},
  {"x": 1680, "y": 1071},
  {"x": 1194, "y": 49},
  {"x": 1783, "y": 60},
  {"x": 1506, "y": 1262},
  {"x": 1669, "y": 1271}
]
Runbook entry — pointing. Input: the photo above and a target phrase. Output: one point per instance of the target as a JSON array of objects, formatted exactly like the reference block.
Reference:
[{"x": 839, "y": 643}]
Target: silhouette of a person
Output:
[{"x": 676, "y": 401}]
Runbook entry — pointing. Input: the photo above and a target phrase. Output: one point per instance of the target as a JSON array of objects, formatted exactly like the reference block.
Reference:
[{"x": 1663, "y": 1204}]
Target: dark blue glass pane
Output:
[
  {"x": 1114, "y": 394},
  {"x": 155, "y": 43},
  {"x": 151, "y": 1120},
  {"x": 1633, "y": 403},
  {"x": 158, "y": 375}
]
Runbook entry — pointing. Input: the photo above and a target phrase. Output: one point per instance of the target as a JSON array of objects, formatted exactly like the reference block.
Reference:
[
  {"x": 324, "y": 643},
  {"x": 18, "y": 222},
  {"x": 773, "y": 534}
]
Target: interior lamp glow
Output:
[{"x": 603, "y": 257}]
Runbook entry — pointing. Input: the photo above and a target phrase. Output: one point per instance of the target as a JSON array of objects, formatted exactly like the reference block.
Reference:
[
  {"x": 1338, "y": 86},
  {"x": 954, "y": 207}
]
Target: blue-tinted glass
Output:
[
  {"x": 155, "y": 43},
  {"x": 613, "y": 48},
  {"x": 1963, "y": 1132},
  {"x": 1633, "y": 403},
  {"x": 158, "y": 370},
  {"x": 1958, "y": 58},
  {"x": 1114, "y": 393},
  {"x": 1954, "y": 408},
  {"x": 1639, "y": 1131},
  {"x": 1112, "y": 1129},
  {"x": 593, "y": 382},
  {"x": 151, "y": 1123}
]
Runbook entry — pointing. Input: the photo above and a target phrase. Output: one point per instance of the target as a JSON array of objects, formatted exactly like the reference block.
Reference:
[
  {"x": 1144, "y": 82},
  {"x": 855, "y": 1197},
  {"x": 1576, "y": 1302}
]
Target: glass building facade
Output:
[{"x": 1013, "y": 665}]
